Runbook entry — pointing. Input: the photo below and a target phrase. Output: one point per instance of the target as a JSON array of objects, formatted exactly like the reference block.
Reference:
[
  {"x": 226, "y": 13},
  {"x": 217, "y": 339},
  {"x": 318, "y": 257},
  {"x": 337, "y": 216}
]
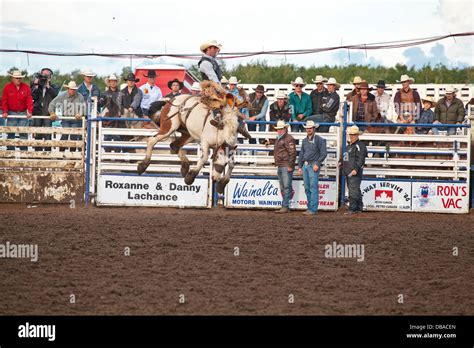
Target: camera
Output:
[{"x": 41, "y": 78}]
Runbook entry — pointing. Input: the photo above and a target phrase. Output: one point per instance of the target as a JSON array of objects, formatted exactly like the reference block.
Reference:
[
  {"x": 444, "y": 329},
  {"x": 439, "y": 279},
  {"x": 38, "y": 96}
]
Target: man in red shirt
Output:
[{"x": 17, "y": 100}]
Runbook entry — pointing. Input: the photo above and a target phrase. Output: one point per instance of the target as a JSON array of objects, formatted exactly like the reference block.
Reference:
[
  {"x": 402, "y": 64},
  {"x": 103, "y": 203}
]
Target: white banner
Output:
[
  {"x": 440, "y": 197},
  {"x": 265, "y": 194},
  {"x": 386, "y": 195},
  {"x": 152, "y": 191}
]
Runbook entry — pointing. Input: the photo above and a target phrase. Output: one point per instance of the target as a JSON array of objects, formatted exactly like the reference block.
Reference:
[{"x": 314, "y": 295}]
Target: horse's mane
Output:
[
  {"x": 246, "y": 101},
  {"x": 212, "y": 94}
]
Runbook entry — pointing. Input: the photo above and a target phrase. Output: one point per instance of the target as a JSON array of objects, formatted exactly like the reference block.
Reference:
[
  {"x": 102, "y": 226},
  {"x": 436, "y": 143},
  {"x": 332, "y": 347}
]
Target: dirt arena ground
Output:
[{"x": 191, "y": 252}]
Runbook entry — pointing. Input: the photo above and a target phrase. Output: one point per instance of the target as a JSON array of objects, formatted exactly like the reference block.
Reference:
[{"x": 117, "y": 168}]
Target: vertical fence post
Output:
[
  {"x": 88, "y": 157},
  {"x": 343, "y": 151}
]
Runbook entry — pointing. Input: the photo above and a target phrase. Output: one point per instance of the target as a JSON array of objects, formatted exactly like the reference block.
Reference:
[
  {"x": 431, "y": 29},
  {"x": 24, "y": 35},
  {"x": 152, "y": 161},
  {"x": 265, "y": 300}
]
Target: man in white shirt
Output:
[
  {"x": 151, "y": 93},
  {"x": 382, "y": 99}
]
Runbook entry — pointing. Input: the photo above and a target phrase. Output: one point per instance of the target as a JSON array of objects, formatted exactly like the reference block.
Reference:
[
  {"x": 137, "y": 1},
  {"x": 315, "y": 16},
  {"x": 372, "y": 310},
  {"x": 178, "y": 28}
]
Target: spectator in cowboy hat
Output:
[
  {"x": 312, "y": 155},
  {"x": 280, "y": 109},
  {"x": 234, "y": 90},
  {"x": 382, "y": 99},
  {"x": 284, "y": 153},
  {"x": 88, "y": 89},
  {"x": 407, "y": 100},
  {"x": 353, "y": 167},
  {"x": 356, "y": 82},
  {"x": 318, "y": 94},
  {"x": 110, "y": 100},
  {"x": 150, "y": 91},
  {"x": 450, "y": 110},
  {"x": 364, "y": 109},
  {"x": 257, "y": 110},
  {"x": 16, "y": 101},
  {"x": 130, "y": 97},
  {"x": 176, "y": 86},
  {"x": 195, "y": 88},
  {"x": 224, "y": 82},
  {"x": 300, "y": 102},
  {"x": 426, "y": 116},
  {"x": 208, "y": 65},
  {"x": 329, "y": 106},
  {"x": 232, "y": 85},
  {"x": 111, "y": 92},
  {"x": 70, "y": 104}
]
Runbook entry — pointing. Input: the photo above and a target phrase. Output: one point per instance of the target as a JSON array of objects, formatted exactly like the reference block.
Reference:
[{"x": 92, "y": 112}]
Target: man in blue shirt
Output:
[
  {"x": 312, "y": 155},
  {"x": 88, "y": 90}
]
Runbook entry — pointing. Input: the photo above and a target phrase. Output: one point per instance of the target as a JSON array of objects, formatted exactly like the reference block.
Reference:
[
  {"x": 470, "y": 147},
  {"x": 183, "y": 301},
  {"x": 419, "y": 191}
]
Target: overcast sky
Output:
[{"x": 123, "y": 26}]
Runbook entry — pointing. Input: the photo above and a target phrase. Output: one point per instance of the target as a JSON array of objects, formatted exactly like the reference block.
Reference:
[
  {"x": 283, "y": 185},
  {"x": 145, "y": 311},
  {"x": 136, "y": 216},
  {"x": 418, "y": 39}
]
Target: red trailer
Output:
[{"x": 166, "y": 73}]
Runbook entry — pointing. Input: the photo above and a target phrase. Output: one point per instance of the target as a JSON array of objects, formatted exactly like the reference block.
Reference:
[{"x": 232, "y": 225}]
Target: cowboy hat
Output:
[
  {"x": 16, "y": 74},
  {"x": 404, "y": 78},
  {"x": 429, "y": 100},
  {"x": 88, "y": 72},
  {"x": 170, "y": 83},
  {"x": 353, "y": 130},
  {"x": 196, "y": 87},
  {"x": 332, "y": 81},
  {"x": 320, "y": 79},
  {"x": 298, "y": 81},
  {"x": 111, "y": 78},
  {"x": 208, "y": 44},
  {"x": 281, "y": 124},
  {"x": 260, "y": 88},
  {"x": 131, "y": 77},
  {"x": 224, "y": 80},
  {"x": 71, "y": 85},
  {"x": 365, "y": 85},
  {"x": 233, "y": 80},
  {"x": 357, "y": 79},
  {"x": 150, "y": 73},
  {"x": 281, "y": 95},
  {"x": 381, "y": 84},
  {"x": 310, "y": 124},
  {"x": 450, "y": 90}
]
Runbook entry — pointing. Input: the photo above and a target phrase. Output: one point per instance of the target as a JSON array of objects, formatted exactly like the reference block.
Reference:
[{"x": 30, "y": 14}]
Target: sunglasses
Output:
[{"x": 298, "y": 85}]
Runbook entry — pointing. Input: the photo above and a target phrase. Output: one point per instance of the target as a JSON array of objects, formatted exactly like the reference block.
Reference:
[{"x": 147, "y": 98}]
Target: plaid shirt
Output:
[{"x": 360, "y": 112}]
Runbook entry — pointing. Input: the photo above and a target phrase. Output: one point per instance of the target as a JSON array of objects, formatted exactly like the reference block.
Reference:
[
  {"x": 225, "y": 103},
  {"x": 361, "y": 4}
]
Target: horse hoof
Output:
[
  {"x": 174, "y": 149},
  {"x": 189, "y": 179},
  {"x": 221, "y": 186},
  {"x": 184, "y": 169}
]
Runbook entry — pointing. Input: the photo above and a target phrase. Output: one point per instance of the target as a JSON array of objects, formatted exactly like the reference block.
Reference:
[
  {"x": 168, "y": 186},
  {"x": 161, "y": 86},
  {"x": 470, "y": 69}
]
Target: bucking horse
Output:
[{"x": 191, "y": 116}]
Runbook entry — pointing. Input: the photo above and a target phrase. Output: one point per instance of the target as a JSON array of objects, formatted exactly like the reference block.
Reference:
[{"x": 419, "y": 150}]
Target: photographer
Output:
[{"x": 43, "y": 92}]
